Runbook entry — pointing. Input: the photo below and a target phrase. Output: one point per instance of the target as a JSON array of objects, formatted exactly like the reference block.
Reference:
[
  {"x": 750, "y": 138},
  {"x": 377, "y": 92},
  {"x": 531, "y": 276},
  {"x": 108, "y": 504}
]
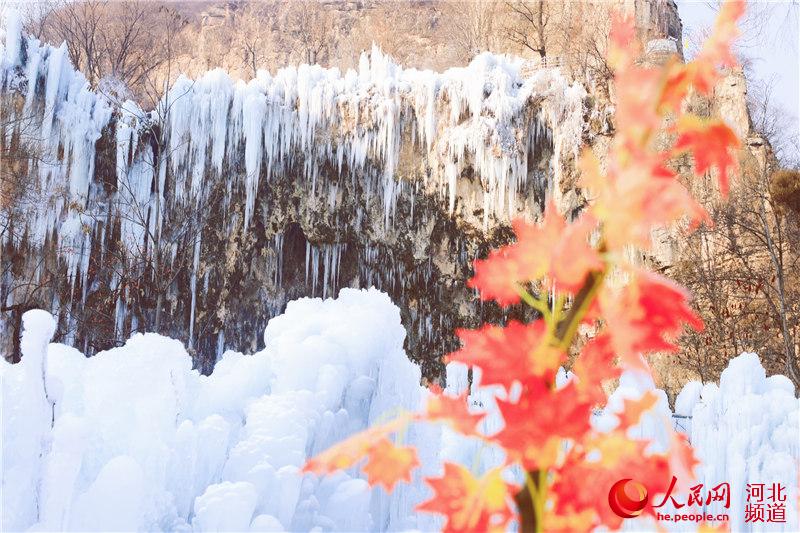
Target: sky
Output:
[{"x": 771, "y": 39}]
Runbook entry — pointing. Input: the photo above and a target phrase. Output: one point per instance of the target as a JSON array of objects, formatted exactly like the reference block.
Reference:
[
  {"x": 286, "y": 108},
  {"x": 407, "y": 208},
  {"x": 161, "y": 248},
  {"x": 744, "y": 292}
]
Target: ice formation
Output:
[
  {"x": 488, "y": 116},
  {"x": 747, "y": 430},
  {"x": 134, "y": 439}
]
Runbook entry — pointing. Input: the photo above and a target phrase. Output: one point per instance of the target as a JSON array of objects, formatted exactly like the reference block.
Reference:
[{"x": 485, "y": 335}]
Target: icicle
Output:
[
  {"x": 193, "y": 288},
  {"x": 308, "y": 254},
  {"x": 279, "y": 260},
  {"x": 220, "y": 344},
  {"x": 12, "y": 24},
  {"x": 254, "y": 109}
]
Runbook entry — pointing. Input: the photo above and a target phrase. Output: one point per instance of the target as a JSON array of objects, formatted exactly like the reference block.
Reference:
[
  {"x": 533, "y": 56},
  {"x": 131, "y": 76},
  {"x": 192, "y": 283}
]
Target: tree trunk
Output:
[
  {"x": 159, "y": 303},
  {"x": 540, "y": 30},
  {"x": 776, "y": 256}
]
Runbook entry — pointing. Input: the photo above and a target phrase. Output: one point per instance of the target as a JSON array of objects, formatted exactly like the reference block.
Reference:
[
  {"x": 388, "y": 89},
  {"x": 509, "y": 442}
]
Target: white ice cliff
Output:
[{"x": 404, "y": 174}]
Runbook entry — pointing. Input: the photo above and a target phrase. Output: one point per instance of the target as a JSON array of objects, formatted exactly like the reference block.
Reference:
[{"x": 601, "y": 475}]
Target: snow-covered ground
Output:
[{"x": 134, "y": 439}]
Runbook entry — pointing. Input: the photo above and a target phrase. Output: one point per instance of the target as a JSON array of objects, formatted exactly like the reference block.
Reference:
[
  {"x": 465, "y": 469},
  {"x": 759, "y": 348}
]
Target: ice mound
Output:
[
  {"x": 747, "y": 430},
  {"x": 134, "y": 439}
]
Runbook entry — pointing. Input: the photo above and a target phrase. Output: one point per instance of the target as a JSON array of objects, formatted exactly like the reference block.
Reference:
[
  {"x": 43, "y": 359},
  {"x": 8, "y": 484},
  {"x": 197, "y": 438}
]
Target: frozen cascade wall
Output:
[
  {"x": 134, "y": 439},
  {"x": 291, "y": 184}
]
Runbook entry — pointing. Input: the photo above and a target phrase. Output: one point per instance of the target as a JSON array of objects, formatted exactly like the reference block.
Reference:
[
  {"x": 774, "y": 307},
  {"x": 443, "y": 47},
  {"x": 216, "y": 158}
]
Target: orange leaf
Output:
[
  {"x": 631, "y": 201},
  {"x": 569, "y": 522},
  {"x": 387, "y": 464},
  {"x": 676, "y": 87},
  {"x": 717, "y": 49},
  {"x": 348, "y": 452},
  {"x": 540, "y": 420},
  {"x": 712, "y": 143},
  {"x": 637, "y": 111},
  {"x": 553, "y": 248},
  {"x": 594, "y": 365},
  {"x": 455, "y": 412},
  {"x": 573, "y": 257},
  {"x": 495, "y": 277},
  {"x": 634, "y": 409},
  {"x": 469, "y": 504},
  {"x": 507, "y": 354},
  {"x": 622, "y": 40},
  {"x": 645, "y": 316}
]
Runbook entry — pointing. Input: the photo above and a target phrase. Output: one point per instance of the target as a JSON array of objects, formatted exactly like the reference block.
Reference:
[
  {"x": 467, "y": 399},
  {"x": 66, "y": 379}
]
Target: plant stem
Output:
[
  {"x": 537, "y": 303},
  {"x": 567, "y": 328},
  {"x": 532, "y": 499}
]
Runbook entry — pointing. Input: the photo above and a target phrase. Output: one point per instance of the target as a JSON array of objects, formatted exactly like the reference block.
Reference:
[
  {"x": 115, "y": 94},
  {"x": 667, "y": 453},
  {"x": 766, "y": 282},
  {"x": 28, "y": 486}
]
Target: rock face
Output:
[
  {"x": 730, "y": 102},
  {"x": 658, "y": 19},
  {"x": 202, "y": 218}
]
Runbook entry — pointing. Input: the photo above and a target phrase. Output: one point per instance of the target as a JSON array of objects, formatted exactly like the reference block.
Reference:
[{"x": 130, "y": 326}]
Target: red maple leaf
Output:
[
  {"x": 554, "y": 248},
  {"x": 712, "y": 143},
  {"x": 454, "y": 411},
  {"x": 633, "y": 199},
  {"x": 543, "y": 417},
  {"x": 510, "y": 353},
  {"x": 387, "y": 464},
  {"x": 573, "y": 257},
  {"x": 495, "y": 277},
  {"x": 469, "y": 503},
  {"x": 595, "y": 365},
  {"x": 646, "y": 315},
  {"x": 584, "y": 480}
]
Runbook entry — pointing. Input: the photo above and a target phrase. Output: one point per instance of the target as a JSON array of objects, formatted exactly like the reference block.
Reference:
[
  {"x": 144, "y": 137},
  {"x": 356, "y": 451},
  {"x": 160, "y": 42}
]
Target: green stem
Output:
[
  {"x": 537, "y": 303},
  {"x": 532, "y": 499},
  {"x": 541, "y": 499},
  {"x": 568, "y": 327}
]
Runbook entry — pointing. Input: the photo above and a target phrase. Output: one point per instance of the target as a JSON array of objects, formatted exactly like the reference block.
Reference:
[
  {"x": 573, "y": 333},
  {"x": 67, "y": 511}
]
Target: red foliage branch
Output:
[{"x": 570, "y": 465}]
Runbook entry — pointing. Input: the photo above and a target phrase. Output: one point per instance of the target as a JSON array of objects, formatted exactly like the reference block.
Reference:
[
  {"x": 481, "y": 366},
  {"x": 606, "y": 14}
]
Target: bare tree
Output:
[
  {"x": 310, "y": 25},
  {"x": 126, "y": 41},
  {"x": 766, "y": 21},
  {"x": 254, "y": 36},
  {"x": 36, "y": 16},
  {"x": 582, "y": 36},
  {"x": 472, "y": 26},
  {"x": 771, "y": 234},
  {"x": 728, "y": 302},
  {"x": 744, "y": 272},
  {"x": 398, "y": 28},
  {"x": 27, "y": 280},
  {"x": 185, "y": 225},
  {"x": 773, "y": 122},
  {"x": 531, "y": 24}
]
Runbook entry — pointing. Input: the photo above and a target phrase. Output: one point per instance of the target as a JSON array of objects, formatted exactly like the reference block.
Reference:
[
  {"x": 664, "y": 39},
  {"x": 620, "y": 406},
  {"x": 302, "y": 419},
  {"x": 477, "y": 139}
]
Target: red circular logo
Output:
[{"x": 627, "y": 498}]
